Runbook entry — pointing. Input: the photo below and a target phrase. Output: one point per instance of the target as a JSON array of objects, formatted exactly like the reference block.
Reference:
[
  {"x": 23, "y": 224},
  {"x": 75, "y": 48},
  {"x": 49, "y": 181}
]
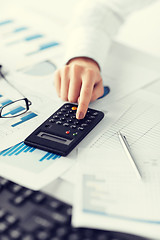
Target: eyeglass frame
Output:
[{"x": 28, "y": 103}]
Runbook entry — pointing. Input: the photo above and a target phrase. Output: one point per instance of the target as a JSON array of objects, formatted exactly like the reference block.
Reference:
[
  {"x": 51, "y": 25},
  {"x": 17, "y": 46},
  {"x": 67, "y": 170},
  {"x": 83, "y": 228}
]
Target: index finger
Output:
[{"x": 85, "y": 97}]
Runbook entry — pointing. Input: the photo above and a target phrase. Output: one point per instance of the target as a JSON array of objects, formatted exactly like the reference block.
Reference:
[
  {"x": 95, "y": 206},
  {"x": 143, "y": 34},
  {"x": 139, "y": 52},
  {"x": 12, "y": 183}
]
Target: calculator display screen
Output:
[{"x": 54, "y": 138}]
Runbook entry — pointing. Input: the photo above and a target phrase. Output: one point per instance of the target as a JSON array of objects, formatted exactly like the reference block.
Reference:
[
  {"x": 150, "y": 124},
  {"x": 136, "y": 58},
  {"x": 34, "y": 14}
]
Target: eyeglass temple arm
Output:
[{"x": 3, "y": 76}]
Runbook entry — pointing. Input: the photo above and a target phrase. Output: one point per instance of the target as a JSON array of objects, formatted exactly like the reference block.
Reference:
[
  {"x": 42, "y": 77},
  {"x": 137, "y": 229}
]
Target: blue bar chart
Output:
[
  {"x": 21, "y": 148},
  {"x": 26, "y": 39},
  {"x": 5, "y": 22},
  {"x": 27, "y": 116},
  {"x": 15, "y": 111},
  {"x": 4, "y": 102},
  {"x": 20, "y": 29},
  {"x": 44, "y": 47}
]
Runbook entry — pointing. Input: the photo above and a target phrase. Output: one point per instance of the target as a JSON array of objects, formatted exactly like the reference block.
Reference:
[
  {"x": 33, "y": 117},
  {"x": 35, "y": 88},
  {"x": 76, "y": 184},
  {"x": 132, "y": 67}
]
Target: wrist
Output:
[{"x": 84, "y": 61}]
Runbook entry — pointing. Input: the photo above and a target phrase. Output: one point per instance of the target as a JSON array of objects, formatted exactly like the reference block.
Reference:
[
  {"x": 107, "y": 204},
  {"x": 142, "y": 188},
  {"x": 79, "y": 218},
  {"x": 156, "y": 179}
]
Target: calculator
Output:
[{"x": 61, "y": 132}]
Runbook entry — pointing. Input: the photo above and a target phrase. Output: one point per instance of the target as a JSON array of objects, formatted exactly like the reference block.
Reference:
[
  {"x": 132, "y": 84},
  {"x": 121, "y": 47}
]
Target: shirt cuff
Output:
[{"x": 89, "y": 43}]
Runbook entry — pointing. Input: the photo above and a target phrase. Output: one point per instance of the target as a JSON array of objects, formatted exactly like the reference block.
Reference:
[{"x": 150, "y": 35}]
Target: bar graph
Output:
[
  {"x": 20, "y": 29},
  {"x": 26, "y": 39},
  {"x": 44, "y": 47},
  {"x": 20, "y": 149},
  {"x": 15, "y": 111},
  {"x": 27, "y": 116},
  {"x": 5, "y": 22},
  {"x": 4, "y": 102}
]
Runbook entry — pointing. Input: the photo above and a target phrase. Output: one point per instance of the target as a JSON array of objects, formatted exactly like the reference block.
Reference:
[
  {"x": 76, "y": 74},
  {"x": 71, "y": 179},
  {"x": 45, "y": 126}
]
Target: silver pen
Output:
[{"x": 126, "y": 148}]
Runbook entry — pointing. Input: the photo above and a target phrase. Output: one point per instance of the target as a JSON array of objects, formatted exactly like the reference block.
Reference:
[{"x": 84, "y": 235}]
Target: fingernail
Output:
[{"x": 80, "y": 115}]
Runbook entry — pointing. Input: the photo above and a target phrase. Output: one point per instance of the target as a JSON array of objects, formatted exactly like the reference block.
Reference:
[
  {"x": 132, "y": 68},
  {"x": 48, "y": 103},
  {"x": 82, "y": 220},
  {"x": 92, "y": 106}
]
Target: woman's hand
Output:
[{"x": 79, "y": 81}]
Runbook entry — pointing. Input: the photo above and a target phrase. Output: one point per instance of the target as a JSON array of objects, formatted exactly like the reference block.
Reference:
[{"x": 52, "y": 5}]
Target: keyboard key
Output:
[
  {"x": 18, "y": 200},
  {"x": 3, "y": 226},
  {"x": 10, "y": 219},
  {"x": 2, "y": 213},
  {"x": 3, "y": 182},
  {"x": 38, "y": 197},
  {"x": 74, "y": 236},
  {"x": 5, "y": 237},
  {"x": 54, "y": 204},
  {"x": 15, "y": 188},
  {"x": 27, "y": 193},
  {"x": 55, "y": 238},
  {"x": 60, "y": 218},
  {"x": 42, "y": 235},
  {"x": 15, "y": 234},
  {"x": 67, "y": 210},
  {"x": 28, "y": 237},
  {"x": 62, "y": 232},
  {"x": 102, "y": 236},
  {"x": 38, "y": 221}
]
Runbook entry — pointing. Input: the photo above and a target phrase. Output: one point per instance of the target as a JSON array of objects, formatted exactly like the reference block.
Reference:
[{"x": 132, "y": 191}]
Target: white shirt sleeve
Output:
[{"x": 94, "y": 25}]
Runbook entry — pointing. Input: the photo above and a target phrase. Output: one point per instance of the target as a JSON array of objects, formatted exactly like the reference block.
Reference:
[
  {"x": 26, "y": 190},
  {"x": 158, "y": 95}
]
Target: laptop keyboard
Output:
[{"x": 33, "y": 215}]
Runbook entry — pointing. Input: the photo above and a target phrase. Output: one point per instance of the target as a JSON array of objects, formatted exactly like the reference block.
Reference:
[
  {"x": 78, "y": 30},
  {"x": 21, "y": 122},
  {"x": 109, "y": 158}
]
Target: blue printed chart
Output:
[
  {"x": 31, "y": 167},
  {"x": 21, "y": 148},
  {"x": 27, "y": 42}
]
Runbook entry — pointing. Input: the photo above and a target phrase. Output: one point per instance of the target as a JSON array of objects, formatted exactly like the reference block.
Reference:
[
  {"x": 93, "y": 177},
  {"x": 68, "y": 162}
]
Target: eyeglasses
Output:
[{"x": 14, "y": 108}]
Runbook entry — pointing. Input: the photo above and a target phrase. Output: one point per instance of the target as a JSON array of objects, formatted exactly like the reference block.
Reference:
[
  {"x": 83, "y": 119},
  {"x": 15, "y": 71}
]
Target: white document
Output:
[
  {"x": 109, "y": 196},
  {"x": 28, "y": 37},
  {"x": 140, "y": 123}
]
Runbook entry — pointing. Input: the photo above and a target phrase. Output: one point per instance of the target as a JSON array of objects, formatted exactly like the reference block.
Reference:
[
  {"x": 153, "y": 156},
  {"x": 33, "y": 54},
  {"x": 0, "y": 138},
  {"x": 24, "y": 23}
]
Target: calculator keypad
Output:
[{"x": 66, "y": 117}]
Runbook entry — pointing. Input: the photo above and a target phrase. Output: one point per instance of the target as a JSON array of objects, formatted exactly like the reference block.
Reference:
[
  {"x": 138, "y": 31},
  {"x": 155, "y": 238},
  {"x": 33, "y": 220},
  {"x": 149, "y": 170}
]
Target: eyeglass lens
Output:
[{"x": 14, "y": 109}]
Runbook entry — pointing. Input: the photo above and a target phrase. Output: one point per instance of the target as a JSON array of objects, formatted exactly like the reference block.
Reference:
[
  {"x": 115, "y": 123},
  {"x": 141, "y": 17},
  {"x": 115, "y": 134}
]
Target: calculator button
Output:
[
  {"x": 88, "y": 121},
  {"x": 67, "y": 106},
  {"x": 73, "y": 126},
  {"x": 65, "y": 124},
  {"x": 69, "y": 121},
  {"x": 59, "y": 122},
  {"x": 66, "y": 115},
  {"x": 91, "y": 117},
  {"x": 63, "y": 110},
  {"x": 59, "y": 113},
  {"x": 71, "y": 111},
  {"x": 74, "y": 108},
  {"x": 74, "y": 134},
  {"x": 81, "y": 128},
  {"x": 62, "y": 119},
  {"x": 76, "y": 122},
  {"x": 84, "y": 125},
  {"x": 52, "y": 120},
  {"x": 55, "y": 117},
  {"x": 95, "y": 113},
  {"x": 73, "y": 117}
]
